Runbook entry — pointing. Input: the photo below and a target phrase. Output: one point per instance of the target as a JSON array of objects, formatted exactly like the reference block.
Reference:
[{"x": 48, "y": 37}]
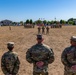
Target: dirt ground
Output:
[{"x": 57, "y": 39}]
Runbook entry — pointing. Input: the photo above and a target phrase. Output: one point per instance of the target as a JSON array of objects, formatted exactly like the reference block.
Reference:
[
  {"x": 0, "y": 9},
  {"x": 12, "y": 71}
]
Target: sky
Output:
[{"x": 21, "y": 10}]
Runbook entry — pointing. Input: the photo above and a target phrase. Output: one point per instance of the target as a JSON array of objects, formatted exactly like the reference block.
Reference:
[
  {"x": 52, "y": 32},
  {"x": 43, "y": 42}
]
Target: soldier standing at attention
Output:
[
  {"x": 68, "y": 58},
  {"x": 43, "y": 29},
  {"x": 39, "y": 30},
  {"x": 47, "y": 30},
  {"x": 40, "y": 55},
  {"x": 10, "y": 61}
]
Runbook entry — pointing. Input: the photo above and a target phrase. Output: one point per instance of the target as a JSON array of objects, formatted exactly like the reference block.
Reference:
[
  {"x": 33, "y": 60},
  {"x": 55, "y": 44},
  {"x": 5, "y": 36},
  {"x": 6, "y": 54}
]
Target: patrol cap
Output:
[
  {"x": 10, "y": 44},
  {"x": 39, "y": 36},
  {"x": 73, "y": 38}
]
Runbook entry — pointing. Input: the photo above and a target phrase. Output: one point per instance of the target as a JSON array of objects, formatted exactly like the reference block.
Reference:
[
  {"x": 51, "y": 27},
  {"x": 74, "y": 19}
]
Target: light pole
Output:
[{"x": 55, "y": 18}]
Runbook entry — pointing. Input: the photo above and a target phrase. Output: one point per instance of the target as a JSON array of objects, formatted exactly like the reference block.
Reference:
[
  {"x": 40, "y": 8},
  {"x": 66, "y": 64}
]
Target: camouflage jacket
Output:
[
  {"x": 10, "y": 63},
  {"x": 39, "y": 28},
  {"x": 68, "y": 56},
  {"x": 47, "y": 28},
  {"x": 43, "y": 28},
  {"x": 40, "y": 52}
]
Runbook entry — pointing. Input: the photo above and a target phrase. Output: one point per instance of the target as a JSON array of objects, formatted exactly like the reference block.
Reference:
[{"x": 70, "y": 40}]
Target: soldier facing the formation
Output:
[
  {"x": 43, "y": 30},
  {"x": 39, "y": 30},
  {"x": 47, "y": 30},
  {"x": 40, "y": 55},
  {"x": 10, "y": 61},
  {"x": 68, "y": 58}
]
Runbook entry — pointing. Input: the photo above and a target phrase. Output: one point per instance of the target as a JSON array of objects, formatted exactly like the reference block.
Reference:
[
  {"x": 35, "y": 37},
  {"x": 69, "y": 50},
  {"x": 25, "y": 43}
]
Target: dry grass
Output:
[{"x": 58, "y": 39}]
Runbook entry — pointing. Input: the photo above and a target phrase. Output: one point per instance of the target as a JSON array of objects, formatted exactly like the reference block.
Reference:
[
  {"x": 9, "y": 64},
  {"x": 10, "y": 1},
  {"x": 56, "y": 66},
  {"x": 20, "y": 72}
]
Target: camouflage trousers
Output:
[
  {"x": 69, "y": 73},
  {"x": 38, "y": 32},
  {"x": 43, "y": 32},
  {"x": 35, "y": 73},
  {"x": 47, "y": 32}
]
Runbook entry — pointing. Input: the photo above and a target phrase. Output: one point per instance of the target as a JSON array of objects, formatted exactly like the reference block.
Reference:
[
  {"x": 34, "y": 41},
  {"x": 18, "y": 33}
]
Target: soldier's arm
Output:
[
  {"x": 16, "y": 66},
  {"x": 51, "y": 56},
  {"x": 64, "y": 58},
  {"x": 3, "y": 67},
  {"x": 28, "y": 56}
]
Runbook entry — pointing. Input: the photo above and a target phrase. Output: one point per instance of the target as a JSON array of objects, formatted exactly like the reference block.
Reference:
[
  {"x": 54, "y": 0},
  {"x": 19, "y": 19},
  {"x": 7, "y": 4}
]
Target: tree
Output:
[
  {"x": 27, "y": 21},
  {"x": 52, "y": 22},
  {"x": 62, "y": 22},
  {"x": 55, "y": 22},
  {"x": 70, "y": 22},
  {"x": 31, "y": 21},
  {"x": 14, "y": 23},
  {"x": 45, "y": 22},
  {"x": 21, "y": 22},
  {"x": 71, "y": 19},
  {"x": 38, "y": 22},
  {"x": 49, "y": 22}
]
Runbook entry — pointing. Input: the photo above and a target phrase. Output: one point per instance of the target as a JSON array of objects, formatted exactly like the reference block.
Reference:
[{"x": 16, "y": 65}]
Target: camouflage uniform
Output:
[
  {"x": 40, "y": 52},
  {"x": 43, "y": 30},
  {"x": 47, "y": 30},
  {"x": 39, "y": 29},
  {"x": 10, "y": 63},
  {"x": 68, "y": 59}
]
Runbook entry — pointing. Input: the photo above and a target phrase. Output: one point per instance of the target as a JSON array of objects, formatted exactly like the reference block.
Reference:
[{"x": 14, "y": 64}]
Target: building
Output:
[
  {"x": 0, "y": 24},
  {"x": 6, "y": 22},
  {"x": 74, "y": 21}
]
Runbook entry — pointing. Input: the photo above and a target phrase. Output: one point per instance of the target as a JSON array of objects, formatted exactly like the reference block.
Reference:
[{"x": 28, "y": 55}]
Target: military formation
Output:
[
  {"x": 40, "y": 55},
  {"x": 56, "y": 26},
  {"x": 43, "y": 30}
]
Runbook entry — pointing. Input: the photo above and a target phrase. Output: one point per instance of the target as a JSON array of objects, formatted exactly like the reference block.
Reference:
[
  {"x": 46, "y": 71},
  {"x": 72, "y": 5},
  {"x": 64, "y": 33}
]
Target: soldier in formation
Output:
[
  {"x": 9, "y": 27},
  {"x": 40, "y": 55},
  {"x": 39, "y": 30},
  {"x": 43, "y": 30},
  {"x": 68, "y": 58},
  {"x": 10, "y": 62},
  {"x": 47, "y": 30}
]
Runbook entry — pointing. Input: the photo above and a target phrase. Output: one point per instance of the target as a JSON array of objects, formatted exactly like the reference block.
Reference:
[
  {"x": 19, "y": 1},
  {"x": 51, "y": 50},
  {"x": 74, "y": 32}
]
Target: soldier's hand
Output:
[
  {"x": 40, "y": 64},
  {"x": 73, "y": 68}
]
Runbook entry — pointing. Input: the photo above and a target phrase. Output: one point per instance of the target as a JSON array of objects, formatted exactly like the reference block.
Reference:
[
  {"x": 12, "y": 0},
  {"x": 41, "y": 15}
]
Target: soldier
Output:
[
  {"x": 68, "y": 58},
  {"x": 43, "y": 29},
  {"x": 39, "y": 30},
  {"x": 9, "y": 27},
  {"x": 60, "y": 26},
  {"x": 40, "y": 55},
  {"x": 47, "y": 30},
  {"x": 10, "y": 61}
]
